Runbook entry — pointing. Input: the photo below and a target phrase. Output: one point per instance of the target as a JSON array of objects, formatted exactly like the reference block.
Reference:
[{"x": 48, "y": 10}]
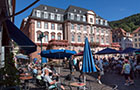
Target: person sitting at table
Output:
[
  {"x": 35, "y": 71},
  {"x": 55, "y": 75},
  {"x": 51, "y": 82},
  {"x": 45, "y": 68},
  {"x": 39, "y": 77}
]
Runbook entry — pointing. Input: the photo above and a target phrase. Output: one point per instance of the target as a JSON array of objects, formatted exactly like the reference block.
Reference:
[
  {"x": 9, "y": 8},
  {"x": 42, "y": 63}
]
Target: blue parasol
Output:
[
  {"x": 108, "y": 51},
  {"x": 57, "y": 54},
  {"x": 88, "y": 61}
]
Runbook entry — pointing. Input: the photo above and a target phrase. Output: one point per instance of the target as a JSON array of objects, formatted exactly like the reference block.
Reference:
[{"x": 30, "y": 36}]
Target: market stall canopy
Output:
[
  {"x": 21, "y": 56},
  {"x": 79, "y": 54},
  {"x": 57, "y": 54},
  {"x": 20, "y": 38},
  {"x": 108, "y": 51},
  {"x": 129, "y": 50}
]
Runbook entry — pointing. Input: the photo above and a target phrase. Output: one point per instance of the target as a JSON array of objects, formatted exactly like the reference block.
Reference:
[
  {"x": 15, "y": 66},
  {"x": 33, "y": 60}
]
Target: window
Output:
[
  {"x": 91, "y": 30},
  {"x": 139, "y": 39},
  {"x": 38, "y": 24},
  {"x": 135, "y": 34},
  {"x": 97, "y": 30},
  {"x": 97, "y": 39},
  {"x": 46, "y": 38},
  {"x": 72, "y": 26},
  {"x": 107, "y": 39},
  {"x": 79, "y": 38},
  {"x": 52, "y": 37},
  {"x": 135, "y": 39},
  {"x": 74, "y": 10},
  {"x": 84, "y": 18},
  {"x": 139, "y": 44},
  {"x": 53, "y": 26},
  {"x": 101, "y": 22},
  {"x": 102, "y": 40},
  {"x": 58, "y": 17},
  {"x": 91, "y": 20},
  {"x": 72, "y": 16},
  {"x": 102, "y": 31},
  {"x": 45, "y": 25},
  {"x": 72, "y": 37},
  {"x": 106, "y": 23},
  {"x": 85, "y": 28},
  {"x": 139, "y": 34},
  {"x": 91, "y": 39},
  {"x": 59, "y": 26},
  {"x": 52, "y": 16},
  {"x": 38, "y": 14},
  {"x": 59, "y": 37},
  {"x": 38, "y": 37},
  {"x": 78, "y": 27},
  {"x": 97, "y": 21},
  {"x": 78, "y": 17},
  {"x": 135, "y": 44},
  {"x": 45, "y": 15}
]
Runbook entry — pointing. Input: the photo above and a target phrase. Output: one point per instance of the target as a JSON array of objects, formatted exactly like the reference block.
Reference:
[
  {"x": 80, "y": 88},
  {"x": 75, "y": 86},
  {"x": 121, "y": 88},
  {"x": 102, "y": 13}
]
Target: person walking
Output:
[
  {"x": 126, "y": 71},
  {"x": 99, "y": 66}
]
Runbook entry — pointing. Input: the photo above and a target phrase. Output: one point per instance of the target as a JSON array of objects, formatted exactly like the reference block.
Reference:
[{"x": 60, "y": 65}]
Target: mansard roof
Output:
[{"x": 50, "y": 9}]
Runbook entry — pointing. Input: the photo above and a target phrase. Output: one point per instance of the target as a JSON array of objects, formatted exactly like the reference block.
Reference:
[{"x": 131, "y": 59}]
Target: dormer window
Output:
[
  {"x": 97, "y": 21},
  {"x": 58, "y": 17},
  {"x": 78, "y": 17},
  {"x": 45, "y": 15},
  {"x": 72, "y": 16},
  {"x": 45, "y": 8},
  {"x": 56, "y": 10},
  {"x": 84, "y": 18},
  {"x": 74, "y": 10},
  {"x": 80, "y": 11},
  {"x": 38, "y": 13},
  {"x": 52, "y": 16}
]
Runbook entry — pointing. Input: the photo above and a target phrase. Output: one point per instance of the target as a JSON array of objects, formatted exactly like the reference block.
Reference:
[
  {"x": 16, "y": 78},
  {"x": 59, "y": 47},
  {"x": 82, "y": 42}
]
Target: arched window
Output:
[
  {"x": 72, "y": 38},
  {"x": 79, "y": 38}
]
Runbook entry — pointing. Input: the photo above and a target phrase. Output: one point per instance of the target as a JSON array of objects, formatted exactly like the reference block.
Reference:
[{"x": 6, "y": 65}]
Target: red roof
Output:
[{"x": 136, "y": 30}]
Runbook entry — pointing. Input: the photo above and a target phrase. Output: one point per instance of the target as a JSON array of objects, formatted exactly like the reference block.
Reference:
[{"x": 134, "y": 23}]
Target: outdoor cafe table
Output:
[
  {"x": 26, "y": 77},
  {"x": 77, "y": 84}
]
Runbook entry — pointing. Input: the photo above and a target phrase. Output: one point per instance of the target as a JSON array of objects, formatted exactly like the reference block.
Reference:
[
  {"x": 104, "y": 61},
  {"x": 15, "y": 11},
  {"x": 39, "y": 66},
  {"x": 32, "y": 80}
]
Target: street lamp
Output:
[{"x": 40, "y": 38}]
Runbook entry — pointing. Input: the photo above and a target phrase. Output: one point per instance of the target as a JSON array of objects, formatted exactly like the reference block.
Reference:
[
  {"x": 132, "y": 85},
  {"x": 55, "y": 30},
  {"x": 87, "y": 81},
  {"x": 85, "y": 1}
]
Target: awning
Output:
[{"x": 20, "y": 38}]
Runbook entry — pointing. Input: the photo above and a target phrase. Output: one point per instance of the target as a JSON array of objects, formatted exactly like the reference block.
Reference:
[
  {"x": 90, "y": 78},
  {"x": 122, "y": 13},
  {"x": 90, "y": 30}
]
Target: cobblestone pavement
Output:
[{"x": 109, "y": 80}]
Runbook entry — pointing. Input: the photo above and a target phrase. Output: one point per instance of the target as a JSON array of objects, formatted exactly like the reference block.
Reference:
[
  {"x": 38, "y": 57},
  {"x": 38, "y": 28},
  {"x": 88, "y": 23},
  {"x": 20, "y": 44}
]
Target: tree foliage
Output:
[{"x": 129, "y": 24}]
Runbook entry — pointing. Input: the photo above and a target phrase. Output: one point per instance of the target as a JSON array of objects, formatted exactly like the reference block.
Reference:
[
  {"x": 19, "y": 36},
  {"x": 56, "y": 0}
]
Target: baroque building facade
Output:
[
  {"x": 70, "y": 27},
  {"x": 136, "y": 38},
  {"x": 122, "y": 37}
]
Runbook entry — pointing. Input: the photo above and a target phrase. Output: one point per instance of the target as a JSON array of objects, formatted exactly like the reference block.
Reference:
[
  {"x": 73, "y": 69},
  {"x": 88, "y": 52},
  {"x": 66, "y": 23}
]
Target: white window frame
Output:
[
  {"x": 79, "y": 38},
  {"x": 72, "y": 26},
  {"x": 72, "y": 38},
  {"x": 45, "y": 15},
  {"x": 72, "y": 16},
  {"x": 46, "y": 38},
  {"x": 78, "y": 17},
  {"x": 38, "y": 24},
  {"x": 45, "y": 25},
  {"x": 38, "y": 13},
  {"x": 84, "y": 18},
  {"x": 58, "y": 17},
  {"x": 52, "y": 16}
]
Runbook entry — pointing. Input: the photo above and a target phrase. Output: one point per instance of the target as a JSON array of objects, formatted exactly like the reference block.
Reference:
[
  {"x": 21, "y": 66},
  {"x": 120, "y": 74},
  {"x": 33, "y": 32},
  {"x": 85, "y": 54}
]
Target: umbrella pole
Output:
[{"x": 84, "y": 82}]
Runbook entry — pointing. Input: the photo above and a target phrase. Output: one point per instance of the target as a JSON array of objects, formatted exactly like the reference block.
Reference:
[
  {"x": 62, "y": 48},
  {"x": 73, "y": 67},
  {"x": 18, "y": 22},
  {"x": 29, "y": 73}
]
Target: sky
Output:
[{"x": 108, "y": 9}]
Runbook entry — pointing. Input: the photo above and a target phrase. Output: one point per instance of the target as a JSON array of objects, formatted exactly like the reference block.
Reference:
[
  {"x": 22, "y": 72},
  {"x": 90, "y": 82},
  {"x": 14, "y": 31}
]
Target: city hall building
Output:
[{"x": 67, "y": 29}]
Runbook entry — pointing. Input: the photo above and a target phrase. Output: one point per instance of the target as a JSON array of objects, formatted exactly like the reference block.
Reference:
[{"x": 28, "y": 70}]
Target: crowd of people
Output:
[{"x": 128, "y": 66}]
